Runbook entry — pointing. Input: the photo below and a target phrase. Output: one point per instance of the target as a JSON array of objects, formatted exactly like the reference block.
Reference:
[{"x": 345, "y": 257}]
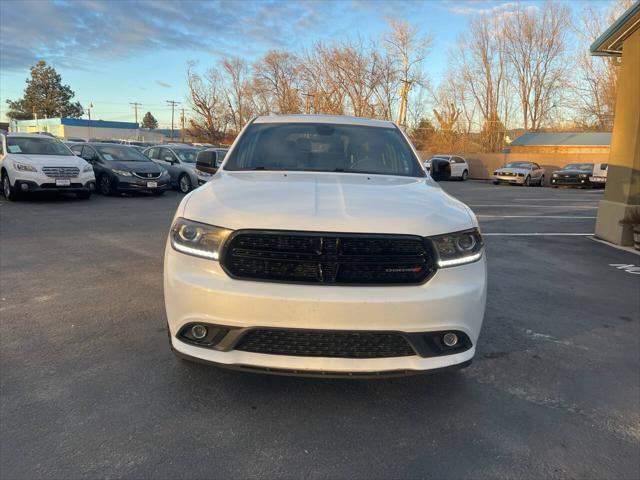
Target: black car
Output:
[
  {"x": 121, "y": 168},
  {"x": 573, "y": 175}
]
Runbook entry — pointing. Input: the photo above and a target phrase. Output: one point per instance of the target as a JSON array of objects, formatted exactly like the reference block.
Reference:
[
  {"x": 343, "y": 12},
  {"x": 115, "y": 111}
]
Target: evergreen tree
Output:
[
  {"x": 44, "y": 95},
  {"x": 149, "y": 121}
]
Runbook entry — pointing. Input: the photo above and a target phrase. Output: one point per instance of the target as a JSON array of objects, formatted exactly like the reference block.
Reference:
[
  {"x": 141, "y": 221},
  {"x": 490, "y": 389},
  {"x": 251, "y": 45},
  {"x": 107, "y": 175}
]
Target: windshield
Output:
[
  {"x": 518, "y": 165},
  {"x": 587, "y": 167},
  {"x": 187, "y": 155},
  {"x": 121, "y": 153},
  {"x": 37, "y": 146},
  {"x": 324, "y": 148}
]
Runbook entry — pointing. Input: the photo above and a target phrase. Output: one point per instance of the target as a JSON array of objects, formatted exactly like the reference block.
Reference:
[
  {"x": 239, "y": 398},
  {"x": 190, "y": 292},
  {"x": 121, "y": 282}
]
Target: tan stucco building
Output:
[{"x": 623, "y": 184}]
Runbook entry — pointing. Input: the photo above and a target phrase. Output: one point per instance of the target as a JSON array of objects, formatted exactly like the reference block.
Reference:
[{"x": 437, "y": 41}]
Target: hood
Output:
[
  {"x": 328, "y": 202},
  {"x": 513, "y": 170},
  {"x": 50, "y": 160},
  {"x": 140, "y": 167}
]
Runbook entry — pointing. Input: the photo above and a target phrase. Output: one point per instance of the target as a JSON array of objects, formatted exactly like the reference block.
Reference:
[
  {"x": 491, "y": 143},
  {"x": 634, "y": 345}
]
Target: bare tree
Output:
[
  {"x": 595, "y": 83},
  {"x": 408, "y": 49},
  {"x": 207, "y": 100},
  {"x": 534, "y": 45},
  {"x": 237, "y": 91},
  {"x": 276, "y": 80},
  {"x": 480, "y": 63}
]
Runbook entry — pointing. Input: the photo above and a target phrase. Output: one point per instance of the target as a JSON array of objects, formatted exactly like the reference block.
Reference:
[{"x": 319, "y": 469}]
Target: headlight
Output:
[
  {"x": 87, "y": 168},
  {"x": 198, "y": 239},
  {"x": 123, "y": 173},
  {"x": 582, "y": 175},
  {"x": 24, "y": 167},
  {"x": 458, "y": 248},
  {"x": 555, "y": 175}
]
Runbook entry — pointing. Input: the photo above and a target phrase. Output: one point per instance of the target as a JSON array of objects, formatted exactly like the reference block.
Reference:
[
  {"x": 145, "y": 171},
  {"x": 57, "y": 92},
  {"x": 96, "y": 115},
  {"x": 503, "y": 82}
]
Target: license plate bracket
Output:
[{"x": 63, "y": 182}]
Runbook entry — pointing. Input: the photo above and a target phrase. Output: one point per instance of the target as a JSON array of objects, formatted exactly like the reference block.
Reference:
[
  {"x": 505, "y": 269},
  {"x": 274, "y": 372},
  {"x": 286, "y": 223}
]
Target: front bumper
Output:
[
  {"x": 199, "y": 291},
  {"x": 133, "y": 184},
  {"x": 570, "y": 182},
  {"x": 75, "y": 186},
  {"x": 508, "y": 179},
  {"x": 39, "y": 182}
]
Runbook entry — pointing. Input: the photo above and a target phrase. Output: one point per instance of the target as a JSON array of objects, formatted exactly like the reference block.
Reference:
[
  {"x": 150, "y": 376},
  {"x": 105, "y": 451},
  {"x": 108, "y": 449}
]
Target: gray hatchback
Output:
[{"x": 180, "y": 162}]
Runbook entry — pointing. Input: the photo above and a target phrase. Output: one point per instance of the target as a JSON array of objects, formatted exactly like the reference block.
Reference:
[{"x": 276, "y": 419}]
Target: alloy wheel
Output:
[
  {"x": 6, "y": 186},
  {"x": 105, "y": 185},
  {"x": 185, "y": 184}
]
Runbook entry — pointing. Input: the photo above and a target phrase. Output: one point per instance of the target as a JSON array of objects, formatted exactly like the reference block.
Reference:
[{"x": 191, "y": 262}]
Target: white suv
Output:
[
  {"x": 31, "y": 162},
  {"x": 459, "y": 166},
  {"x": 321, "y": 247}
]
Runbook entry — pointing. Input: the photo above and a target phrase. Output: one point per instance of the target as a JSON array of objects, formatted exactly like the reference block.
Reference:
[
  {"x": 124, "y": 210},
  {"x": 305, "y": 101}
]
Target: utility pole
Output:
[
  {"x": 173, "y": 104},
  {"x": 182, "y": 122},
  {"x": 306, "y": 101},
  {"x": 89, "y": 122},
  {"x": 135, "y": 109}
]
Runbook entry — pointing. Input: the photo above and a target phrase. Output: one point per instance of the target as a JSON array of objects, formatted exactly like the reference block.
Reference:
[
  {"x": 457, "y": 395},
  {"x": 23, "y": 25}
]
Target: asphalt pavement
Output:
[{"x": 89, "y": 388}]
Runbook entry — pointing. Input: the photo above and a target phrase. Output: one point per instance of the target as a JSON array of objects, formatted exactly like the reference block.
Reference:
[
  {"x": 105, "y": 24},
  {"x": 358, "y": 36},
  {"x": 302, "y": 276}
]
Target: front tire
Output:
[
  {"x": 527, "y": 181},
  {"x": 105, "y": 185},
  {"x": 496, "y": 182},
  {"x": 541, "y": 184},
  {"x": 184, "y": 183},
  {"x": 465, "y": 175},
  {"x": 9, "y": 192}
]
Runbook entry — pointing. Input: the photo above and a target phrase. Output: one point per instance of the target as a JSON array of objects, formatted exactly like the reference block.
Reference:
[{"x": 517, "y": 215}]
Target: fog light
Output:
[
  {"x": 24, "y": 187},
  {"x": 450, "y": 339},
  {"x": 199, "y": 332}
]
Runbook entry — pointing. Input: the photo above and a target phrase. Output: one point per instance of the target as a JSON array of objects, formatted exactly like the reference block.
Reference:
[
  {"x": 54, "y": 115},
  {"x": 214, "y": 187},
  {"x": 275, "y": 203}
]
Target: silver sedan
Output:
[{"x": 520, "y": 173}]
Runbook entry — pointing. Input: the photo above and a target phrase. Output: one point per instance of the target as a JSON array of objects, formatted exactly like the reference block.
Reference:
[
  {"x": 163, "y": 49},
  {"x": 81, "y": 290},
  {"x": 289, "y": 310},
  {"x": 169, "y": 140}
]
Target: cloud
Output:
[
  {"x": 481, "y": 7},
  {"x": 77, "y": 34},
  {"x": 163, "y": 84}
]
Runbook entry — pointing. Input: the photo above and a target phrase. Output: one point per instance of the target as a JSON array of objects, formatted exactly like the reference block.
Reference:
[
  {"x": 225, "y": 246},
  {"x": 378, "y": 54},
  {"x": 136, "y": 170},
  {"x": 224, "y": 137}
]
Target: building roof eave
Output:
[{"x": 609, "y": 44}]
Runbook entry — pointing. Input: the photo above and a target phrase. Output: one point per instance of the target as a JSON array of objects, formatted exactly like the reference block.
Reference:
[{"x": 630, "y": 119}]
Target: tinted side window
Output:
[
  {"x": 88, "y": 153},
  {"x": 153, "y": 153},
  {"x": 77, "y": 149}
]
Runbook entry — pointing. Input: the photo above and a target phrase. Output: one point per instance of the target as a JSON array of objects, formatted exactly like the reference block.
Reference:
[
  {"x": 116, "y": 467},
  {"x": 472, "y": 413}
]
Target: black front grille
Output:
[
  {"x": 318, "y": 258},
  {"x": 149, "y": 175},
  {"x": 568, "y": 181},
  {"x": 311, "y": 343}
]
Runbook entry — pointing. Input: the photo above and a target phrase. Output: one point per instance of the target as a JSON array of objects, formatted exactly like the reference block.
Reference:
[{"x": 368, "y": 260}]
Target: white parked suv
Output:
[
  {"x": 322, "y": 247},
  {"x": 459, "y": 166},
  {"x": 31, "y": 162}
]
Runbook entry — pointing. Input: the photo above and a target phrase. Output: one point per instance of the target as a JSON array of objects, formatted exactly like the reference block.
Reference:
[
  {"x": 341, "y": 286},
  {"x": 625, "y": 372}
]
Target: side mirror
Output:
[
  {"x": 440, "y": 169},
  {"x": 206, "y": 162}
]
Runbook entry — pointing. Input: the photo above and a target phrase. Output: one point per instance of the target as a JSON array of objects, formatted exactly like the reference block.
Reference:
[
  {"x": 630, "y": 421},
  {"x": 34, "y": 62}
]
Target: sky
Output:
[{"x": 113, "y": 52}]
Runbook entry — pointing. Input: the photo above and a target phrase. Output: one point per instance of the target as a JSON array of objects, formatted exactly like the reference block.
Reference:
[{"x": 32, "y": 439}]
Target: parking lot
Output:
[{"x": 91, "y": 389}]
